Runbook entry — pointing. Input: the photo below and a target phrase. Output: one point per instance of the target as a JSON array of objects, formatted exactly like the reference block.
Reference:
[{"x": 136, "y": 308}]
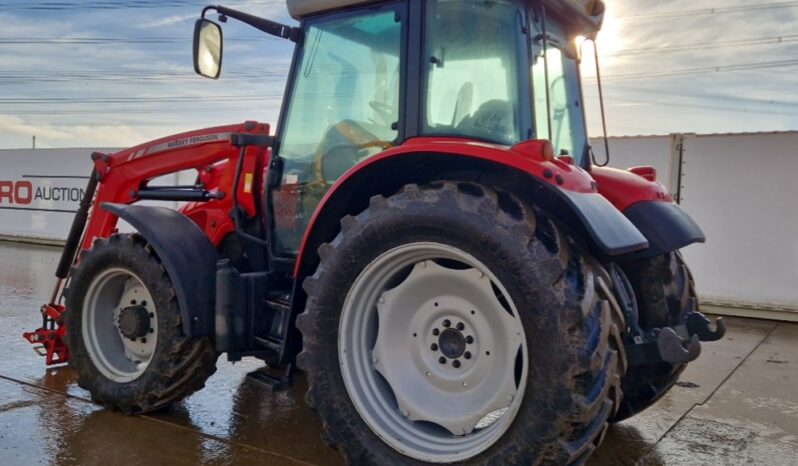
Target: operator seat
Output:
[{"x": 493, "y": 120}]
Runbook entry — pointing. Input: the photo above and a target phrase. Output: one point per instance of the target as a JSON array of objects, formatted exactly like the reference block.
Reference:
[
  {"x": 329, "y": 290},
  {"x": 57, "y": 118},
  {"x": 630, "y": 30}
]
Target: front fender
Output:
[
  {"x": 566, "y": 190},
  {"x": 188, "y": 256}
]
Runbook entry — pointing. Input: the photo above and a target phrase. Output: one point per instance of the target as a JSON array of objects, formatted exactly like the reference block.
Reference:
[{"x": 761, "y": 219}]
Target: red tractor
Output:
[{"x": 424, "y": 236}]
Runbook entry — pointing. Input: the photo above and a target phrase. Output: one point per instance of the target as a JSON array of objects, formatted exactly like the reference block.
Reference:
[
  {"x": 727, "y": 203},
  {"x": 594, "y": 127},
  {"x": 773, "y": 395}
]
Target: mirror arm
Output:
[{"x": 262, "y": 24}]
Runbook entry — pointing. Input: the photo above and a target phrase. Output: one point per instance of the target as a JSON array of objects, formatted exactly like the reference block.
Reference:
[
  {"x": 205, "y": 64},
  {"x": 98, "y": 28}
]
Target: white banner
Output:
[{"x": 40, "y": 190}]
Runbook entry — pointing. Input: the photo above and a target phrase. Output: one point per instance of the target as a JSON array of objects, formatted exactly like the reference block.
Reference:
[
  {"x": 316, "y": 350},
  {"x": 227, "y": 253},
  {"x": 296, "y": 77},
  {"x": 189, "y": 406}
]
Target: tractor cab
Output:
[{"x": 368, "y": 76}]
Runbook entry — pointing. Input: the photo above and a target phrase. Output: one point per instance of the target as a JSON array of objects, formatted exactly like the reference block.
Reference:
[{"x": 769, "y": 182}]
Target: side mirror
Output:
[{"x": 207, "y": 48}]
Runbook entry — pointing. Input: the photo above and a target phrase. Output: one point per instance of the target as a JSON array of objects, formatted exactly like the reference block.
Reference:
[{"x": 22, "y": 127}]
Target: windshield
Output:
[
  {"x": 556, "y": 92},
  {"x": 343, "y": 108},
  {"x": 471, "y": 55}
]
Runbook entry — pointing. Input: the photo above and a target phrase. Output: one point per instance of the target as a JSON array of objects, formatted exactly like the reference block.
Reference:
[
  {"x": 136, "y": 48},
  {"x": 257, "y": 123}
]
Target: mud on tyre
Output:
[
  {"x": 665, "y": 292},
  {"x": 454, "y": 257},
  {"x": 124, "y": 329}
]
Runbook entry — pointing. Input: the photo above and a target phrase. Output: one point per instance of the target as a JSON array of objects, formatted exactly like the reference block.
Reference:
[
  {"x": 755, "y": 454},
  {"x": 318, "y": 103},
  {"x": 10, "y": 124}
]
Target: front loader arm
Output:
[{"x": 123, "y": 178}]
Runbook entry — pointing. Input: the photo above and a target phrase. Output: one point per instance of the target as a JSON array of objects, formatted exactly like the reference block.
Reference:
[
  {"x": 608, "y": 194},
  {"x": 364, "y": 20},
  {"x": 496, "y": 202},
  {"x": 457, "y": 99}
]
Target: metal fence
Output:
[{"x": 739, "y": 187}]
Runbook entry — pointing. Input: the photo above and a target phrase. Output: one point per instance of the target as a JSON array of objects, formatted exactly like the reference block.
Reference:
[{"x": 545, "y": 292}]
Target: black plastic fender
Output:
[
  {"x": 188, "y": 256},
  {"x": 612, "y": 232},
  {"x": 665, "y": 225}
]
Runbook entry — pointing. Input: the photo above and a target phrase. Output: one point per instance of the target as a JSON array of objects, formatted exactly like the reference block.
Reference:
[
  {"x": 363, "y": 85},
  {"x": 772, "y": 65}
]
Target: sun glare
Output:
[{"x": 609, "y": 43}]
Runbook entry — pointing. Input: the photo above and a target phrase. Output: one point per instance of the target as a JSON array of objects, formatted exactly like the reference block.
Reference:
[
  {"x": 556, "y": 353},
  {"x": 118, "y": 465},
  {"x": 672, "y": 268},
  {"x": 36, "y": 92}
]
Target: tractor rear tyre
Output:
[
  {"x": 124, "y": 329},
  {"x": 665, "y": 293},
  {"x": 452, "y": 323}
]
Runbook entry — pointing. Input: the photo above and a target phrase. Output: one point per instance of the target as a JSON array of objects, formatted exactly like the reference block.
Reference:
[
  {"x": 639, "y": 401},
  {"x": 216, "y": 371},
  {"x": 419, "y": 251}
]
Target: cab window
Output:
[
  {"x": 560, "y": 118},
  {"x": 471, "y": 55},
  {"x": 344, "y": 108}
]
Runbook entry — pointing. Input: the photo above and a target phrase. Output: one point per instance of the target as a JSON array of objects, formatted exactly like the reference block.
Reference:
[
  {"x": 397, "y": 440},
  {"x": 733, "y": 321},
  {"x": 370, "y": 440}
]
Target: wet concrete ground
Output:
[{"x": 737, "y": 404}]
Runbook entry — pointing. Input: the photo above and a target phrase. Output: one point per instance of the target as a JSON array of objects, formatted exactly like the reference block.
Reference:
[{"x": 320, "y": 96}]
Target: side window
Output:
[
  {"x": 563, "y": 110},
  {"x": 343, "y": 108},
  {"x": 472, "y": 79}
]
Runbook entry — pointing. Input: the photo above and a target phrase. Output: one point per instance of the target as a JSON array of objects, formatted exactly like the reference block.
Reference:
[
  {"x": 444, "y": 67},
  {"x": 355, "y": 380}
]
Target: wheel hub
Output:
[
  {"x": 120, "y": 324},
  {"x": 452, "y": 344},
  {"x": 134, "y": 322},
  {"x": 467, "y": 351},
  {"x": 433, "y": 369}
]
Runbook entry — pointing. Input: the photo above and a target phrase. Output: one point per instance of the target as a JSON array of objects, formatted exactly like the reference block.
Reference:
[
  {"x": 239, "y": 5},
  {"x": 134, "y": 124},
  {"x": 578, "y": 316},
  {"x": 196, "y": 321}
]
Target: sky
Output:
[{"x": 106, "y": 73}]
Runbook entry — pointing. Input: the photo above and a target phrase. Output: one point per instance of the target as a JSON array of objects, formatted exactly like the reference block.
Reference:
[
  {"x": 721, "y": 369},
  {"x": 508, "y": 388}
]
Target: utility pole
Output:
[{"x": 34, "y": 141}]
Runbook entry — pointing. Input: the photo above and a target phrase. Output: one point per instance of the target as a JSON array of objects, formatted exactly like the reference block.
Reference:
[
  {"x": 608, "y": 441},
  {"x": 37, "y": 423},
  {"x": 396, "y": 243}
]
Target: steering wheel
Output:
[{"x": 336, "y": 160}]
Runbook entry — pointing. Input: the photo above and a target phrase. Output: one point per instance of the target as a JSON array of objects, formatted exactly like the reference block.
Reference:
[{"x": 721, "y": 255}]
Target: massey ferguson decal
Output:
[{"x": 182, "y": 142}]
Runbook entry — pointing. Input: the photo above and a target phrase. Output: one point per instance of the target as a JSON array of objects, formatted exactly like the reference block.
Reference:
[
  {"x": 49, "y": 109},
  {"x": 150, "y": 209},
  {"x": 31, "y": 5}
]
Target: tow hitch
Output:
[
  {"x": 48, "y": 340},
  {"x": 679, "y": 344},
  {"x": 676, "y": 345}
]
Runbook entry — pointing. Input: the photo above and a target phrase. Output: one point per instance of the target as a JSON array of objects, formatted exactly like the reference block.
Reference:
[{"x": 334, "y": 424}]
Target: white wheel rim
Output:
[
  {"x": 117, "y": 357},
  {"x": 407, "y": 372}
]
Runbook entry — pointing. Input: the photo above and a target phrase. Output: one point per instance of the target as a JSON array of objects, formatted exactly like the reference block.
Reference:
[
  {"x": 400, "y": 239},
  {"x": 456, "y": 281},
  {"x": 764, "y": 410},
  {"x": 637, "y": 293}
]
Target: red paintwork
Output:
[
  {"x": 624, "y": 188},
  {"x": 126, "y": 171},
  {"x": 649, "y": 173},
  {"x": 527, "y": 156},
  {"x": 51, "y": 340}
]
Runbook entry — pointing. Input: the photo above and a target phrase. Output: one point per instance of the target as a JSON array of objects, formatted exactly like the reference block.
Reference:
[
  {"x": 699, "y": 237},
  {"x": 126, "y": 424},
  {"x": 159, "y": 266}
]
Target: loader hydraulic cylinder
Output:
[{"x": 76, "y": 231}]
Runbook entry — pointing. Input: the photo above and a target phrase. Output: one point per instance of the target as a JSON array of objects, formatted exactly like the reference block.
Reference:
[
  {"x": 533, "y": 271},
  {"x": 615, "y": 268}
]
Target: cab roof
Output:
[{"x": 583, "y": 15}]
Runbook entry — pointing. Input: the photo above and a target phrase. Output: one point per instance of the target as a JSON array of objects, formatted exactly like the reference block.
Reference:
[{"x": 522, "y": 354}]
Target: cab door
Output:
[{"x": 344, "y": 106}]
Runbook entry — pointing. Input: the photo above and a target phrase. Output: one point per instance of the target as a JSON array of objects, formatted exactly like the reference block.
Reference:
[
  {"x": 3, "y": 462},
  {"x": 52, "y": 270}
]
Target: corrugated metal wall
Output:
[{"x": 739, "y": 187}]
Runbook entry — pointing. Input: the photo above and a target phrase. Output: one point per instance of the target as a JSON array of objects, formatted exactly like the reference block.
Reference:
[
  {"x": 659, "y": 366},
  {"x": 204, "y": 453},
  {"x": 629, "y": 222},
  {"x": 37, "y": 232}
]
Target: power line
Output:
[
  {"x": 707, "y": 45},
  {"x": 46, "y": 76},
  {"x": 117, "y": 40},
  {"x": 710, "y": 11},
  {"x": 704, "y": 96},
  {"x": 126, "y": 110},
  {"x": 134, "y": 99},
  {"x": 707, "y": 107},
  {"x": 702, "y": 70},
  {"x": 111, "y": 5}
]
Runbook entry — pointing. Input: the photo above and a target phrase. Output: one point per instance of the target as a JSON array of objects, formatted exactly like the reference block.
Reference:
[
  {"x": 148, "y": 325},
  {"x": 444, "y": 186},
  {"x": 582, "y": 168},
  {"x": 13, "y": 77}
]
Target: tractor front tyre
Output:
[
  {"x": 124, "y": 329},
  {"x": 665, "y": 293},
  {"x": 453, "y": 323}
]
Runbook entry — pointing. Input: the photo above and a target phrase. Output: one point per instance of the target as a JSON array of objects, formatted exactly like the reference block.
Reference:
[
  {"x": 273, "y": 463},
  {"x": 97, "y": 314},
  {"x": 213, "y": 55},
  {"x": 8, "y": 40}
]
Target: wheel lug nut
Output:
[
  {"x": 469, "y": 339},
  {"x": 467, "y": 355},
  {"x": 460, "y": 326},
  {"x": 151, "y": 314},
  {"x": 133, "y": 301},
  {"x": 434, "y": 347},
  {"x": 447, "y": 323},
  {"x": 456, "y": 363},
  {"x": 442, "y": 360},
  {"x": 436, "y": 332},
  {"x": 144, "y": 340}
]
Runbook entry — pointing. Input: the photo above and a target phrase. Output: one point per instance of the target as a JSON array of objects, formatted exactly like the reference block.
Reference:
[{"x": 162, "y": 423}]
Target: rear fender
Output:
[
  {"x": 188, "y": 256},
  {"x": 649, "y": 206},
  {"x": 665, "y": 225},
  {"x": 565, "y": 191}
]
